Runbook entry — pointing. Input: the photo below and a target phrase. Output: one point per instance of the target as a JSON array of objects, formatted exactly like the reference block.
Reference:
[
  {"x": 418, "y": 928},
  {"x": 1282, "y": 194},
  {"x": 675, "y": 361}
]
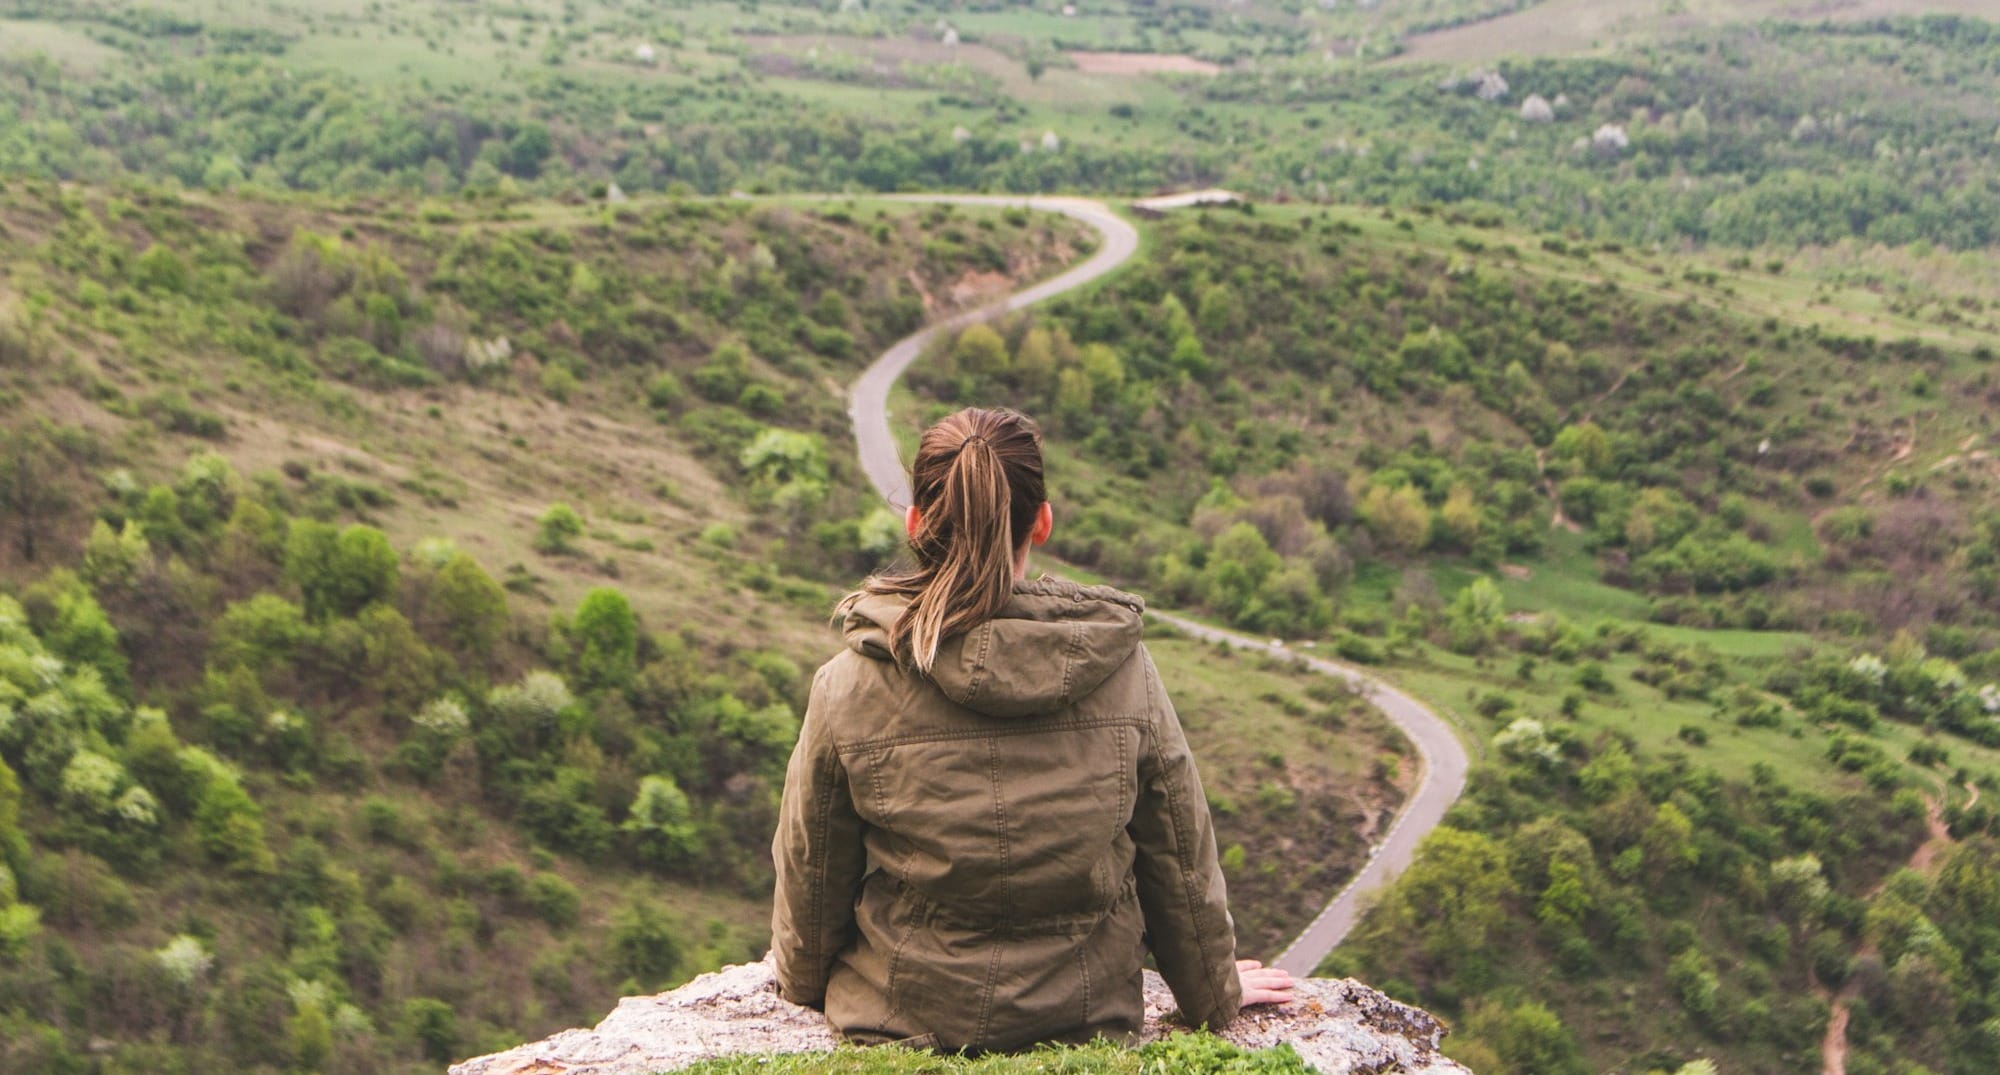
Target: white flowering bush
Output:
[
  {"x": 306, "y": 995},
  {"x": 1869, "y": 669},
  {"x": 1989, "y": 698},
  {"x": 184, "y": 959},
  {"x": 444, "y": 717},
  {"x": 538, "y": 697},
  {"x": 1527, "y": 738}
]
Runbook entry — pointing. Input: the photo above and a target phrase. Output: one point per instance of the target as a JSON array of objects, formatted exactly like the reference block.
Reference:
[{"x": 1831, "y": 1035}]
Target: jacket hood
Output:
[{"x": 1053, "y": 642}]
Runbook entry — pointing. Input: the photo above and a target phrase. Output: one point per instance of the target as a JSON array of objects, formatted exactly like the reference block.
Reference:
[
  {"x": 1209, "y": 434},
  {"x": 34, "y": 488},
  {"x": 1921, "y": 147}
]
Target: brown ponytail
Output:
[{"x": 977, "y": 486}]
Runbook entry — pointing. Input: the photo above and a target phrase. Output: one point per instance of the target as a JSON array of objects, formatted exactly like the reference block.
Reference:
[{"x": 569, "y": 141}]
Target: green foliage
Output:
[
  {"x": 661, "y": 823},
  {"x": 645, "y": 944},
  {"x": 434, "y": 1024},
  {"x": 230, "y": 824},
  {"x": 471, "y": 605},
  {"x": 339, "y": 571},
  {"x": 606, "y": 638},
  {"x": 1529, "y": 1039},
  {"x": 557, "y": 530}
]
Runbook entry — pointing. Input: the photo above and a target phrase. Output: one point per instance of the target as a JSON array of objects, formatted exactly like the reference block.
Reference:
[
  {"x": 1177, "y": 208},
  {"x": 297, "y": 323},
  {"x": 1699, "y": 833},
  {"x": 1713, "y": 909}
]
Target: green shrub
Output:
[{"x": 557, "y": 530}]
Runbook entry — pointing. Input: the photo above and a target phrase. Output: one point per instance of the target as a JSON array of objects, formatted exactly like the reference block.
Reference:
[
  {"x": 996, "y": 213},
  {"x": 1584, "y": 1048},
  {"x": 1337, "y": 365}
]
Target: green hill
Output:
[
  {"x": 407, "y": 607},
  {"x": 1701, "y": 553}
]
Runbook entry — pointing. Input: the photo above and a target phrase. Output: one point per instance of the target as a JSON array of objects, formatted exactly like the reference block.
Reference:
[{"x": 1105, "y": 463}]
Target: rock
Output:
[{"x": 1339, "y": 1026}]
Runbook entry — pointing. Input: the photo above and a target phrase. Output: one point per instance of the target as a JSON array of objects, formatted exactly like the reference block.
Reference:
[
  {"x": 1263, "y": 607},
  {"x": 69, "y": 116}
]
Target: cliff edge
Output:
[{"x": 1338, "y": 1026}]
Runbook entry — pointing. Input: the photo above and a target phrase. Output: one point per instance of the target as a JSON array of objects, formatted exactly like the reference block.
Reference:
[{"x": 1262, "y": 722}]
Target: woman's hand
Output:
[{"x": 1262, "y": 984}]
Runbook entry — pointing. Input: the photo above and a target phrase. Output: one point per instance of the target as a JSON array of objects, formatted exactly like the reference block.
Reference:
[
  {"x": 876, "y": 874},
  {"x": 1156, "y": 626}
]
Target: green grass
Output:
[
  {"x": 71, "y": 48},
  {"x": 1183, "y": 1053}
]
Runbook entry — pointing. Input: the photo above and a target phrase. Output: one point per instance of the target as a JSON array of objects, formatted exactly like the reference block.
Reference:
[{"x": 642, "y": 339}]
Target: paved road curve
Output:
[{"x": 1443, "y": 758}]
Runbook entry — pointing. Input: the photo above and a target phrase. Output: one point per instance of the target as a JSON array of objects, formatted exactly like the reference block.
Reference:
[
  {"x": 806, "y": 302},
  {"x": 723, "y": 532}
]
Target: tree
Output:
[
  {"x": 32, "y": 492},
  {"x": 260, "y": 634},
  {"x": 557, "y": 530},
  {"x": 1460, "y": 519},
  {"x": 433, "y": 1023},
  {"x": 661, "y": 823},
  {"x": 645, "y": 943},
  {"x": 1476, "y": 616},
  {"x": 979, "y": 351},
  {"x": 1398, "y": 517},
  {"x": 1587, "y": 446},
  {"x": 339, "y": 573},
  {"x": 472, "y": 605},
  {"x": 1454, "y": 896},
  {"x": 788, "y": 469},
  {"x": 1669, "y": 842},
  {"x": 607, "y": 637},
  {"x": 1529, "y": 1038},
  {"x": 1799, "y": 889}
]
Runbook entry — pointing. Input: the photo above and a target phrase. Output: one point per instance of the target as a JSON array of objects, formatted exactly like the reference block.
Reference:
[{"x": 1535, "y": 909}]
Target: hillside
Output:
[
  {"x": 1701, "y": 128},
  {"x": 425, "y": 472},
  {"x": 1699, "y": 550},
  {"x": 405, "y": 599}
]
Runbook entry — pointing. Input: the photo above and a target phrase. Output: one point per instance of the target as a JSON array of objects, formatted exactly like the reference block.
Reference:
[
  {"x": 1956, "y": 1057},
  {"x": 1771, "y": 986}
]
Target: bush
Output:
[
  {"x": 553, "y": 899},
  {"x": 557, "y": 530},
  {"x": 341, "y": 572},
  {"x": 433, "y": 1024},
  {"x": 645, "y": 944},
  {"x": 607, "y": 640}
]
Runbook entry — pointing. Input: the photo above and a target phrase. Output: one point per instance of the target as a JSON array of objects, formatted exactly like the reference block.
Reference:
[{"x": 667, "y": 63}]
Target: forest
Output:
[{"x": 425, "y": 474}]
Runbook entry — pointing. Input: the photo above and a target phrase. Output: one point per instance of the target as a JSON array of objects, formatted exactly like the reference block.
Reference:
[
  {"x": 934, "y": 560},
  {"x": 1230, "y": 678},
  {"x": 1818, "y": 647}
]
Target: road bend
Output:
[{"x": 1442, "y": 761}]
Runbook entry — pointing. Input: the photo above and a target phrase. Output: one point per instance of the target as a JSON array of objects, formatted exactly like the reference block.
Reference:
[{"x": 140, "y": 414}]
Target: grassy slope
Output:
[{"x": 475, "y": 463}]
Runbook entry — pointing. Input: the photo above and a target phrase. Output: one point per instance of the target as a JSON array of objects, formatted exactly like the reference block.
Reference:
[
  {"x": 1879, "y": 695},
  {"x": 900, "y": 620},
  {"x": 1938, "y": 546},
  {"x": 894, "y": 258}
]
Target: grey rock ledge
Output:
[{"x": 1339, "y": 1026}]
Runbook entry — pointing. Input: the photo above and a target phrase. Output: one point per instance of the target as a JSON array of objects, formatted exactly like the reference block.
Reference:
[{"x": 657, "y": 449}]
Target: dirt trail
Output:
[{"x": 1833, "y": 1047}]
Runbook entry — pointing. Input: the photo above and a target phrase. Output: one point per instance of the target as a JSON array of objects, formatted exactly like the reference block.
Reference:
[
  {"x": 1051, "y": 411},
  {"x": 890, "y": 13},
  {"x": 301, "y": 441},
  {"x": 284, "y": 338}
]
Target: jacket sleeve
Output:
[
  {"x": 1179, "y": 875},
  {"x": 819, "y": 860}
]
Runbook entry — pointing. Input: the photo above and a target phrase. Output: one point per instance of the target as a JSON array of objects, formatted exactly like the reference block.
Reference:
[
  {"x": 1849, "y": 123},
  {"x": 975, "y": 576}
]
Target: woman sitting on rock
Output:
[{"x": 992, "y": 814}]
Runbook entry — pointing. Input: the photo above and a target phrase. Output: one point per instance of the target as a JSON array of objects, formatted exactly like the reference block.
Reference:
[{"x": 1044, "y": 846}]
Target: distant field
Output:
[
  {"x": 1570, "y": 27},
  {"x": 1140, "y": 63},
  {"x": 73, "y": 48}
]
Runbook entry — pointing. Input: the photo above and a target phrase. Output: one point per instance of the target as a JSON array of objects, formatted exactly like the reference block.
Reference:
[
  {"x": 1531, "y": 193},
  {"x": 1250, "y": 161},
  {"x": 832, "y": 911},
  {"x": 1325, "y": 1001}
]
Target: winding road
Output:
[{"x": 1443, "y": 757}]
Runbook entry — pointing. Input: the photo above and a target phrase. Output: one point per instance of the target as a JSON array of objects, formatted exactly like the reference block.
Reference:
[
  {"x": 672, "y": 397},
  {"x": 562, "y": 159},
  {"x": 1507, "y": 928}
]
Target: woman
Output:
[{"x": 992, "y": 813}]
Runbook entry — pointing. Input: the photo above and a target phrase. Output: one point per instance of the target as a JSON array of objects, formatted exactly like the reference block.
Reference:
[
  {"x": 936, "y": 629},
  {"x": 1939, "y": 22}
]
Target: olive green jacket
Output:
[{"x": 979, "y": 859}]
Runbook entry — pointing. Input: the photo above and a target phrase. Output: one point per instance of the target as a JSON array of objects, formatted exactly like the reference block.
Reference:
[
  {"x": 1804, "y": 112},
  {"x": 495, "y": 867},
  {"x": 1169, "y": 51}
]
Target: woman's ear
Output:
[
  {"x": 1045, "y": 524},
  {"x": 913, "y": 520}
]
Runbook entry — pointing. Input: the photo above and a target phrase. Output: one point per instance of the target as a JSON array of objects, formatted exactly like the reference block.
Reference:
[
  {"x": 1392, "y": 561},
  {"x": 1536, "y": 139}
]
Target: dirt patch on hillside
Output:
[
  {"x": 878, "y": 61},
  {"x": 1140, "y": 63}
]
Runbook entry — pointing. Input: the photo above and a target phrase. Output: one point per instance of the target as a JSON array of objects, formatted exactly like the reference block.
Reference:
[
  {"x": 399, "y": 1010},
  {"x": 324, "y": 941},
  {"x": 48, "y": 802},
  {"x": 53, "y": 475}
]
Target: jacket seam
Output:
[
  {"x": 1175, "y": 810},
  {"x": 978, "y": 680},
  {"x": 895, "y": 966},
  {"x": 986, "y": 998},
  {"x": 823, "y": 821},
  {"x": 865, "y": 745},
  {"x": 1000, "y": 822},
  {"x": 1075, "y": 649}
]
